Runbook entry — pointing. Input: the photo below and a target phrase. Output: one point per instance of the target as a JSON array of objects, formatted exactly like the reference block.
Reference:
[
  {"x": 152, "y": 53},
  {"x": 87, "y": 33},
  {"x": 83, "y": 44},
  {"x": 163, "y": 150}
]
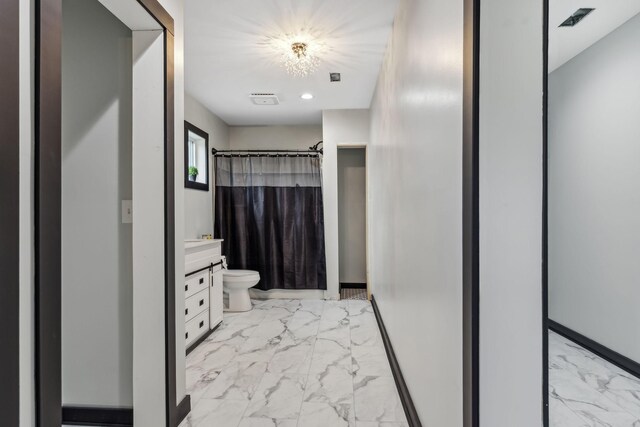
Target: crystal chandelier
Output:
[{"x": 299, "y": 60}]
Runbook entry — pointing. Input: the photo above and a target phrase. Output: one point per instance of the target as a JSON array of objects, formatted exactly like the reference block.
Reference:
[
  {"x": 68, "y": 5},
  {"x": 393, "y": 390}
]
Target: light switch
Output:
[{"x": 127, "y": 212}]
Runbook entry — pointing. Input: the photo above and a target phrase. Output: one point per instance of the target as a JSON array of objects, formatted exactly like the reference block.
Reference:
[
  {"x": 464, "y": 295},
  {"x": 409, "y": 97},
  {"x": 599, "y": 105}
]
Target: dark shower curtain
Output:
[{"x": 269, "y": 211}]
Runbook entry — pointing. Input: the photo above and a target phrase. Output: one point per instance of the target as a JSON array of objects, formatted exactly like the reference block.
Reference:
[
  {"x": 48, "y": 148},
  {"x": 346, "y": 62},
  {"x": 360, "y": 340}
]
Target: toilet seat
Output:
[{"x": 240, "y": 275}]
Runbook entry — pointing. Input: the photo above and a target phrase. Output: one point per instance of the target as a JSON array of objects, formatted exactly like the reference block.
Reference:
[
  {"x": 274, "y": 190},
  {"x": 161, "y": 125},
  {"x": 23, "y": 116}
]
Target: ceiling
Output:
[
  {"x": 567, "y": 42},
  {"x": 228, "y": 56}
]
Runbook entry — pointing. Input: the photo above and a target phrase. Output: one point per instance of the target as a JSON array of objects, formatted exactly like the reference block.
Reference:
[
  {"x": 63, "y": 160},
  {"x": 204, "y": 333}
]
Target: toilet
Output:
[{"x": 236, "y": 284}]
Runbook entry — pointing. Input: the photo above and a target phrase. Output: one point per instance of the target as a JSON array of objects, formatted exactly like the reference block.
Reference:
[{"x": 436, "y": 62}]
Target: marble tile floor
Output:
[
  {"x": 294, "y": 363},
  {"x": 586, "y": 390}
]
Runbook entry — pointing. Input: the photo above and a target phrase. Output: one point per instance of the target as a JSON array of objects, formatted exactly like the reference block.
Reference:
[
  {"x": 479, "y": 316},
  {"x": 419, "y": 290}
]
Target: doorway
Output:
[
  {"x": 592, "y": 231},
  {"x": 352, "y": 222},
  {"x": 92, "y": 131}
]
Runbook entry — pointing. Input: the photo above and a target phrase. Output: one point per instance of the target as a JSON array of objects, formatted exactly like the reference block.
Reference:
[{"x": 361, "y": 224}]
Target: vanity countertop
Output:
[{"x": 196, "y": 243}]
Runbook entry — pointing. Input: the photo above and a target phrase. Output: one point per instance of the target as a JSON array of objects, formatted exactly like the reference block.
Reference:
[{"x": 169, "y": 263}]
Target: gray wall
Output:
[
  {"x": 97, "y": 273},
  {"x": 198, "y": 204},
  {"x": 352, "y": 215},
  {"x": 594, "y": 191},
  {"x": 415, "y": 158}
]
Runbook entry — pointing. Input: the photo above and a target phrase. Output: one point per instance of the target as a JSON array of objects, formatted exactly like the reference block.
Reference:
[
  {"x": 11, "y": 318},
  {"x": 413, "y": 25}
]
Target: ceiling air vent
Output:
[
  {"x": 334, "y": 77},
  {"x": 264, "y": 99},
  {"x": 577, "y": 16}
]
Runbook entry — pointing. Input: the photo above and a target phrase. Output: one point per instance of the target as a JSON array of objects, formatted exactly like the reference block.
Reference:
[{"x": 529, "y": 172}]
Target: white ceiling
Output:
[
  {"x": 567, "y": 42},
  {"x": 226, "y": 56}
]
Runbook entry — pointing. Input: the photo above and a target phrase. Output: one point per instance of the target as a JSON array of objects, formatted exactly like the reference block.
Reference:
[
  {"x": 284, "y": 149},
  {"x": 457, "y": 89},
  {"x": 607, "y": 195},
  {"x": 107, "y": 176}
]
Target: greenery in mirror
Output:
[{"x": 193, "y": 173}]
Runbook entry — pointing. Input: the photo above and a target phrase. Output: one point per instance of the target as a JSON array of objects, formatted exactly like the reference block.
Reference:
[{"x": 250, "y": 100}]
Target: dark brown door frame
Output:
[
  {"x": 48, "y": 208},
  {"x": 9, "y": 212}
]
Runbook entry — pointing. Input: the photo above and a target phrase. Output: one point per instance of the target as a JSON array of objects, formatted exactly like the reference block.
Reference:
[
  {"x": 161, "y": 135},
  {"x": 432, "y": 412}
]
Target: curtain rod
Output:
[{"x": 313, "y": 150}]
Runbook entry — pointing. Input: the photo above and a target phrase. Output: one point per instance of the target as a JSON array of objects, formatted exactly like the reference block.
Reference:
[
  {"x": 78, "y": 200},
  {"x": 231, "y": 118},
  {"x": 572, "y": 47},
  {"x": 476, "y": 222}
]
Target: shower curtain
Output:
[{"x": 269, "y": 211}]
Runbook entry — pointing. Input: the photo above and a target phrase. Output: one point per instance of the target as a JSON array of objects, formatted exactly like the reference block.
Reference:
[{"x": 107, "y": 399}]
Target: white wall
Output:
[
  {"x": 594, "y": 191},
  {"x": 198, "y": 204},
  {"x": 274, "y": 137},
  {"x": 97, "y": 278},
  {"x": 415, "y": 159},
  {"x": 339, "y": 128},
  {"x": 510, "y": 213},
  {"x": 352, "y": 215}
]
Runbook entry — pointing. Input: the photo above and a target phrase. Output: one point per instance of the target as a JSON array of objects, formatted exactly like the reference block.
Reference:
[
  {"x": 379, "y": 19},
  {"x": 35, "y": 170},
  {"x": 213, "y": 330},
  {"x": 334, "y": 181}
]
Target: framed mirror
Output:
[{"x": 196, "y": 158}]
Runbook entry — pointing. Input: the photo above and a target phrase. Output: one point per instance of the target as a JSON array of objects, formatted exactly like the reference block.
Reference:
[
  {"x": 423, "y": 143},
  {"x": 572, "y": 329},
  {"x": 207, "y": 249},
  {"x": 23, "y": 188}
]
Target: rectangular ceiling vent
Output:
[
  {"x": 577, "y": 16},
  {"x": 264, "y": 99}
]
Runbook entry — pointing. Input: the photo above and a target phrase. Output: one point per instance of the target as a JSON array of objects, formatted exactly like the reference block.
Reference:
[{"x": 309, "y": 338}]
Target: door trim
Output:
[{"x": 10, "y": 211}]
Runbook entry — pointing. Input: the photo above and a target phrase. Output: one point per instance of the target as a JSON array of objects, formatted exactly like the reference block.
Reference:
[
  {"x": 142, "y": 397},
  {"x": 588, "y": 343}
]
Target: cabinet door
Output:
[{"x": 215, "y": 297}]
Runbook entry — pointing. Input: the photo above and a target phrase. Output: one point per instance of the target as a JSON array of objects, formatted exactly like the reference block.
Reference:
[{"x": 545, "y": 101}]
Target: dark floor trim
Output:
[
  {"x": 199, "y": 341},
  {"x": 184, "y": 407},
  {"x": 10, "y": 212},
  {"x": 622, "y": 362},
  {"x": 403, "y": 390},
  {"x": 97, "y": 416},
  {"x": 350, "y": 285}
]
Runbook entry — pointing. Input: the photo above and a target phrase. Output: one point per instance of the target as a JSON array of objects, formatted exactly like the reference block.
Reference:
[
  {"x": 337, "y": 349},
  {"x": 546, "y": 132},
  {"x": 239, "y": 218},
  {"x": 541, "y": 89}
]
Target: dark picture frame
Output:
[{"x": 188, "y": 183}]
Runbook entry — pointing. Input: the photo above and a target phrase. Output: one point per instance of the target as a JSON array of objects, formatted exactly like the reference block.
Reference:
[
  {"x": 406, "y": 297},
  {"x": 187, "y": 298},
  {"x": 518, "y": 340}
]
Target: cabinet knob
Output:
[
  {"x": 186, "y": 288},
  {"x": 201, "y": 302},
  {"x": 201, "y": 324},
  {"x": 186, "y": 335},
  {"x": 186, "y": 311},
  {"x": 201, "y": 280}
]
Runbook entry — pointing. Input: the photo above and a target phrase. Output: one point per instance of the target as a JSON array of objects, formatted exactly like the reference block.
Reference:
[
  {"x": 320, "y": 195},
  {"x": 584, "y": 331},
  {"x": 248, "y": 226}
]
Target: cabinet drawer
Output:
[
  {"x": 196, "y": 327},
  {"x": 196, "y": 304},
  {"x": 196, "y": 283}
]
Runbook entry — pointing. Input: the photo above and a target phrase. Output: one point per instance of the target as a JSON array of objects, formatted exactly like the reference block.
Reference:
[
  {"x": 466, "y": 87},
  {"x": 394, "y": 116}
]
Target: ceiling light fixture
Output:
[
  {"x": 306, "y": 96},
  {"x": 299, "y": 53},
  {"x": 300, "y": 61}
]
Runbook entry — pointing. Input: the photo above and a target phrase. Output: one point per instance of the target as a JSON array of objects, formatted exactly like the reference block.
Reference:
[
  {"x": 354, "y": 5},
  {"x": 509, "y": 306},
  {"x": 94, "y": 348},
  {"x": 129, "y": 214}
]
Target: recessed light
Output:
[{"x": 306, "y": 96}]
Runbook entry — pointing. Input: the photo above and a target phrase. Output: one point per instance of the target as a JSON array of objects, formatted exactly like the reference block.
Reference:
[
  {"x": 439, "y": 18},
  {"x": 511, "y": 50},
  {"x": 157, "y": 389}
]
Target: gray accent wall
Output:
[
  {"x": 97, "y": 277},
  {"x": 594, "y": 191}
]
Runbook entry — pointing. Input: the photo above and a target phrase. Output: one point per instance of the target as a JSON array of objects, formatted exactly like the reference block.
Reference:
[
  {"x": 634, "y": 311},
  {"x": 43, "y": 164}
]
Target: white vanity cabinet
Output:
[{"x": 202, "y": 289}]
